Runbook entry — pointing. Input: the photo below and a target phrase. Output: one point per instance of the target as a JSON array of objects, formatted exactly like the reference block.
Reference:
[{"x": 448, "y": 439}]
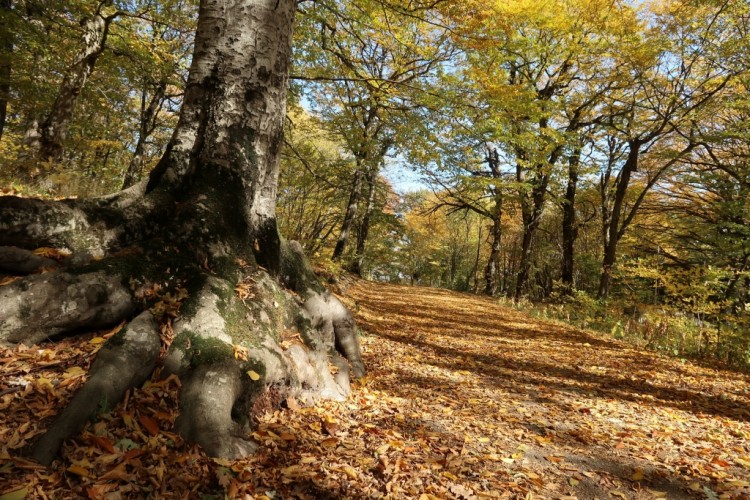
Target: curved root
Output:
[
  {"x": 45, "y": 305},
  {"x": 125, "y": 361}
]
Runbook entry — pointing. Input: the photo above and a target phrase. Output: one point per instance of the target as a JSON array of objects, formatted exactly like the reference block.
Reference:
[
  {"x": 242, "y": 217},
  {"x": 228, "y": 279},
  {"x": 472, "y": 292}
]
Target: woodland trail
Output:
[
  {"x": 464, "y": 399},
  {"x": 511, "y": 405}
]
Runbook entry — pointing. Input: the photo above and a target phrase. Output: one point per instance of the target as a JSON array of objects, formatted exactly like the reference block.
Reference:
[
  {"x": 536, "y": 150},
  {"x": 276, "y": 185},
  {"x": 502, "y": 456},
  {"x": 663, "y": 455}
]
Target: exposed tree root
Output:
[
  {"x": 125, "y": 361},
  {"x": 230, "y": 353},
  {"x": 45, "y": 305},
  {"x": 14, "y": 260}
]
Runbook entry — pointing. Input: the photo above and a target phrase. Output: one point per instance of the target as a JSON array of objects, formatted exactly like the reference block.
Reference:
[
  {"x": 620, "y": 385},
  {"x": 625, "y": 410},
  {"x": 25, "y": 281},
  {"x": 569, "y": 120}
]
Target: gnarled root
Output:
[
  {"x": 45, "y": 305},
  {"x": 125, "y": 361},
  {"x": 14, "y": 260}
]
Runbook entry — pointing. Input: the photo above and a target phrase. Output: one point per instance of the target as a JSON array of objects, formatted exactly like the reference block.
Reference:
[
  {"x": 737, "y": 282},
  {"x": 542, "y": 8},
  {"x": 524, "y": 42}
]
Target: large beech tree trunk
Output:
[{"x": 203, "y": 229}]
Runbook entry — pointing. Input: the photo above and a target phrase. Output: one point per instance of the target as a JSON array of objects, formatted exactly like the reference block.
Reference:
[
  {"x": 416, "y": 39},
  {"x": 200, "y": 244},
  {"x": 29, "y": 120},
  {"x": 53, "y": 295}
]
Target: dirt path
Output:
[
  {"x": 509, "y": 405},
  {"x": 464, "y": 399}
]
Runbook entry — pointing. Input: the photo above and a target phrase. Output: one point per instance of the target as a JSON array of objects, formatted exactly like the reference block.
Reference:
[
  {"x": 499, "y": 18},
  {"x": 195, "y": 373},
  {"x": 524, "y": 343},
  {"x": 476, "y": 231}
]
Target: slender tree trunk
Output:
[
  {"x": 149, "y": 114},
  {"x": 612, "y": 230},
  {"x": 53, "y": 129},
  {"x": 475, "y": 268},
  {"x": 6, "y": 52},
  {"x": 531, "y": 212},
  {"x": 364, "y": 228},
  {"x": 569, "y": 223},
  {"x": 351, "y": 212},
  {"x": 492, "y": 270}
]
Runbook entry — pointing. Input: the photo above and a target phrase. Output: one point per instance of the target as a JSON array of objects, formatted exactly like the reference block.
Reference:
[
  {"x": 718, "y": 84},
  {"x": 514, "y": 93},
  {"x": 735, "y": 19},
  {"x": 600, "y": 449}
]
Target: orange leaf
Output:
[
  {"x": 149, "y": 424},
  {"x": 78, "y": 471},
  {"x": 119, "y": 473},
  {"x": 104, "y": 443}
]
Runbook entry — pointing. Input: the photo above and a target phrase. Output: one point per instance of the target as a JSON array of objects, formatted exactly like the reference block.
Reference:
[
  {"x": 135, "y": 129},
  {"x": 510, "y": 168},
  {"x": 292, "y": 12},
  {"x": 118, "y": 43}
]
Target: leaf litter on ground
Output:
[{"x": 463, "y": 399}]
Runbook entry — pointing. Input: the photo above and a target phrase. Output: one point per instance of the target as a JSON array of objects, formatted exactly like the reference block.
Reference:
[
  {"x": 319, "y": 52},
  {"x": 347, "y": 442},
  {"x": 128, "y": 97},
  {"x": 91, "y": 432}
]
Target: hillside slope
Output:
[{"x": 464, "y": 399}]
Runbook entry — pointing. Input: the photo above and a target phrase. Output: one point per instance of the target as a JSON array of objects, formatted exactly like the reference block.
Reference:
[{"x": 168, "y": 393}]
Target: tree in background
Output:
[{"x": 366, "y": 69}]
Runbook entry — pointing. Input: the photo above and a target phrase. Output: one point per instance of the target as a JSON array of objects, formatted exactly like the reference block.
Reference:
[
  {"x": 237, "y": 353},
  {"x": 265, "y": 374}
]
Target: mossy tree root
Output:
[{"x": 43, "y": 306}]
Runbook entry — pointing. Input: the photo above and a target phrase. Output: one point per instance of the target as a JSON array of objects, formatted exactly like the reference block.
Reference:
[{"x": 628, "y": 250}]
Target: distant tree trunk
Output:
[
  {"x": 205, "y": 227},
  {"x": 531, "y": 214},
  {"x": 6, "y": 52},
  {"x": 364, "y": 228},
  {"x": 53, "y": 129},
  {"x": 351, "y": 211},
  {"x": 612, "y": 230},
  {"x": 569, "y": 223},
  {"x": 478, "y": 254},
  {"x": 148, "y": 117},
  {"x": 492, "y": 270}
]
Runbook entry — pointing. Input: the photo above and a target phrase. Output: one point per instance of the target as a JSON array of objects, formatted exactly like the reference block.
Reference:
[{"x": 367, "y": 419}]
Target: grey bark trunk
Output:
[
  {"x": 531, "y": 213},
  {"x": 147, "y": 124},
  {"x": 6, "y": 52},
  {"x": 351, "y": 212},
  {"x": 569, "y": 224},
  {"x": 53, "y": 129},
  {"x": 211, "y": 203},
  {"x": 364, "y": 228},
  {"x": 492, "y": 270},
  {"x": 612, "y": 230}
]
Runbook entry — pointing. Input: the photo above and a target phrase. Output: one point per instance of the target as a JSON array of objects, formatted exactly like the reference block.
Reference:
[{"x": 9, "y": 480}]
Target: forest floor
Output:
[{"x": 463, "y": 399}]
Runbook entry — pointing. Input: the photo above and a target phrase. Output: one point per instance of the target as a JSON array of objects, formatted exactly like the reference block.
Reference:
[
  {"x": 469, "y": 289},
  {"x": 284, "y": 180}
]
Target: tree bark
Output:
[
  {"x": 531, "y": 214},
  {"x": 364, "y": 228},
  {"x": 351, "y": 212},
  {"x": 6, "y": 52},
  {"x": 53, "y": 129},
  {"x": 612, "y": 227},
  {"x": 204, "y": 227},
  {"x": 492, "y": 270},
  {"x": 149, "y": 114},
  {"x": 569, "y": 223}
]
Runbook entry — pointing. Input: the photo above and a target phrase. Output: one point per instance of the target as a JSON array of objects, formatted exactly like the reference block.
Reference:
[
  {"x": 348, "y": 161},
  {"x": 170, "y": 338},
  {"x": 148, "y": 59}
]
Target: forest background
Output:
[{"x": 585, "y": 159}]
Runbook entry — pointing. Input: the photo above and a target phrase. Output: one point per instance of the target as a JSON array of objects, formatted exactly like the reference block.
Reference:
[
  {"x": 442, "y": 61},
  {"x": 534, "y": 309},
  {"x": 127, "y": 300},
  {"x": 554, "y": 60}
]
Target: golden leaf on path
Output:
[
  {"x": 286, "y": 436},
  {"x": 79, "y": 471},
  {"x": 657, "y": 494},
  {"x": 351, "y": 472},
  {"x": 573, "y": 481},
  {"x": 18, "y": 494},
  {"x": 254, "y": 376},
  {"x": 637, "y": 475},
  {"x": 239, "y": 352},
  {"x": 97, "y": 340},
  {"x": 330, "y": 442},
  {"x": 128, "y": 420},
  {"x": 74, "y": 371}
]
